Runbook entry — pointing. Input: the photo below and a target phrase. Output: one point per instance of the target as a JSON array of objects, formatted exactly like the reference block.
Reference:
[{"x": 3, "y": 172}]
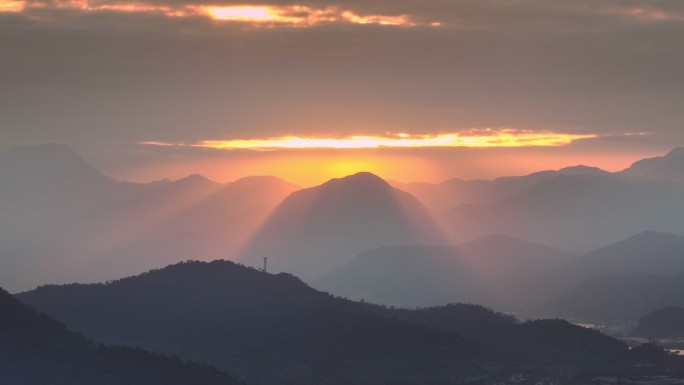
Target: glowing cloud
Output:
[
  {"x": 402, "y": 20},
  {"x": 299, "y": 16},
  {"x": 257, "y": 15},
  {"x": 12, "y": 6},
  {"x": 469, "y": 138}
]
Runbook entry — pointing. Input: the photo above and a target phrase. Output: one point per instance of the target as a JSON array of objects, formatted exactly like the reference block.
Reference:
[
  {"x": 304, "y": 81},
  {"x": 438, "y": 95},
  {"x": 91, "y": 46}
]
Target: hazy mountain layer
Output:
[
  {"x": 478, "y": 272},
  {"x": 317, "y": 229},
  {"x": 445, "y": 196},
  {"x": 61, "y": 220},
  {"x": 668, "y": 168},
  {"x": 576, "y": 212}
]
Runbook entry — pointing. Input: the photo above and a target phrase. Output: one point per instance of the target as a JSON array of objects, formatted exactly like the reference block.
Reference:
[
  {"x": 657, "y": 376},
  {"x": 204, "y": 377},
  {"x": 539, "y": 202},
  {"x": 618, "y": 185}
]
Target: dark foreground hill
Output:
[
  {"x": 510, "y": 342},
  {"x": 37, "y": 350},
  {"x": 274, "y": 329},
  {"x": 616, "y": 298},
  {"x": 667, "y": 322},
  {"x": 269, "y": 329}
]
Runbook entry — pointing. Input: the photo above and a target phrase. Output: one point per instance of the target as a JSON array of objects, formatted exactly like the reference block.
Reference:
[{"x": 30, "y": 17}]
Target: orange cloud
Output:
[
  {"x": 282, "y": 15},
  {"x": 402, "y": 20},
  {"x": 12, "y": 6},
  {"x": 646, "y": 13},
  {"x": 270, "y": 15},
  {"x": 470, "y": 138}
]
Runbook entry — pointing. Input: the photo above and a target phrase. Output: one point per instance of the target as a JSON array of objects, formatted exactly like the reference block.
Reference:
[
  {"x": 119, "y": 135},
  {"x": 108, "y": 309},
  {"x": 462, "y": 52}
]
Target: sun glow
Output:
[
  {"x": 244, "y": 13},
  {"x": 297, "y": 15},
  {"x": 469, "y": 138}
]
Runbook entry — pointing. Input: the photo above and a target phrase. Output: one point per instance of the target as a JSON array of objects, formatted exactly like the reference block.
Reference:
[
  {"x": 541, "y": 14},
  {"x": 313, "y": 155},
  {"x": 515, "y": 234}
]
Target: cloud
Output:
[
  {"x": 121, "y": 72},
  {"x": 517, "y": 15},
  {"x": 271, "y": 15},
  {"x": 473, "y": 138}
]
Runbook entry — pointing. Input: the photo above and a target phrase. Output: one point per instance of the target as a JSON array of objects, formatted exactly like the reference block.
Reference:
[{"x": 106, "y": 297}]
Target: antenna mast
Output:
[{"x": 265, "y": 261}]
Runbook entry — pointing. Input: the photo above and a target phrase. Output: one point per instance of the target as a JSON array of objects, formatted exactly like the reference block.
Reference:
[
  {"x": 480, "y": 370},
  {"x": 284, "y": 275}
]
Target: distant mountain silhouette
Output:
[
  {"x": 441, "y": 198},
  {"x": 37, "y": 350},
  {"x": 649, "y": 252},
  {"x": 57, "y": 210},
  {"x": 477, "y": 271},
  {"x": 618, "y": 282},
  {"x": 575, "y": 212},
  {"x": 271, "y": 329},
  {"x": 234, "y": 199},
  {"x": 667, "y": 322},
  {"x": 194, "y": 204},
  {"x": 668, "y": 168},
  {"x": 48, "y": 184},
  {"x": 46, "y": 164},
  {"x": 319, "y": 228}
]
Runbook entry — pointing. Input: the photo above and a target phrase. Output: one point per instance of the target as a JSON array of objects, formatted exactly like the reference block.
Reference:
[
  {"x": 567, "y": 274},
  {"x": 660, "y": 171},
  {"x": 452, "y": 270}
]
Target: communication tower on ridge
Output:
[{"x": 265, "y": 261}]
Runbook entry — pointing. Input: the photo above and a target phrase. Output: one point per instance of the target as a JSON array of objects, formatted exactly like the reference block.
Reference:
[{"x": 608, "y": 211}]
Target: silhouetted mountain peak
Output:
[
  {"x": 666, "y": 168},
  {"x": 506, "y": 242},
  {"x": 196, "y": 179},
  {"x": 320, "y": 227},
  {"x": 218, "y": 276},
  {"x": 641, "y": 246},
  {"x": 261, "y": 180},
  {"x": 49, "y": 162},
  {"x": 676, "y": 152},
  {"x": 359, "y": 181},
  {"x": 649, "y": 252},
  {"x": 583, "y": 170},
  {"x": 652, "y": 237}
]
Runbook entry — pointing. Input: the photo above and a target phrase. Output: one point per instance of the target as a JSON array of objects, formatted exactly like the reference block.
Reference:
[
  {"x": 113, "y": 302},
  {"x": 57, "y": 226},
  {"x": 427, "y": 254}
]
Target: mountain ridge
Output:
[
  {"x": 36, "y": 349},
  {"x": 321, "y": 227}
]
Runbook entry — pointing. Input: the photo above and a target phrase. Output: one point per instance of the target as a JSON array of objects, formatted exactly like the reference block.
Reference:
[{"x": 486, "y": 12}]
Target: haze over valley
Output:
[{"x": 494, "y": 242}]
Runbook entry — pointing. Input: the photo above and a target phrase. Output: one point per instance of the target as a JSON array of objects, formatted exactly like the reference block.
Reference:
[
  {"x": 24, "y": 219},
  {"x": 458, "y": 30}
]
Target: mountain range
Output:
[
  {"x": 478, "y": 272},
  {"x": 359, "y": 236},
  {"x": 274, "y": 329},
  {"x": 270, "y": 329},
  {"x": 618, "y": 282},
  {"x": 62, "y": 221}
]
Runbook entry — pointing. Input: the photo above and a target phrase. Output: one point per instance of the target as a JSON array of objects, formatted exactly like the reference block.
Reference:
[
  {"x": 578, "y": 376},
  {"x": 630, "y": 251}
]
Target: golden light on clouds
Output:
[
  {"x": 257, "y": 15},
  {"x": 275, "y": 15},
  {"x": 401, "y": 20},
  {"x": 298, "y": 15},
  {"x": 477, "y": 138},
  {"x": 12, "y": 6},
  {"x": 245, "y": 13}
]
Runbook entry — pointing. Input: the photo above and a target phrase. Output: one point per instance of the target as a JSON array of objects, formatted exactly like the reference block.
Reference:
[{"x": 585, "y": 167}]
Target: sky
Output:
[{"x": 306, "y": 90}]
